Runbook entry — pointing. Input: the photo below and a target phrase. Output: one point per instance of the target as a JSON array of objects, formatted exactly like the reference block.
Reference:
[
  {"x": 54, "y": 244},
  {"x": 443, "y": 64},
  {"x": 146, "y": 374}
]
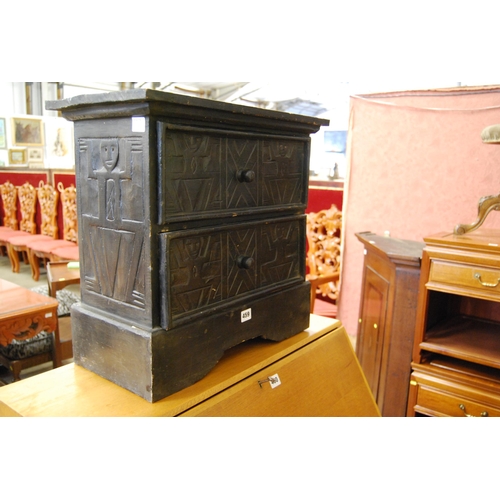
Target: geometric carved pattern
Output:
[
  {"x": 113, "y": 215},
  {"x": 209, "y": 267},
  {"x": 206, "y": 172}
]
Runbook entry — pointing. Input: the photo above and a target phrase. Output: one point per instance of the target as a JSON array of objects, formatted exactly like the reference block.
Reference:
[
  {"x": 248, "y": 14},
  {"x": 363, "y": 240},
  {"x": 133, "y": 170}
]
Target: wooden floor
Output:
[{"x": 23, "y": 278}]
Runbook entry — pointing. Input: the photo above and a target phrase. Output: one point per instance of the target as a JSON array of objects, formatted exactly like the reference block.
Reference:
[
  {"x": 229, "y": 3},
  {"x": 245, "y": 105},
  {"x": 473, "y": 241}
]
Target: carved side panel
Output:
[
  {"x": 112, "y": 208},
  {"x": 214, "y": 172},
  {"x": 208, "y": 269}
]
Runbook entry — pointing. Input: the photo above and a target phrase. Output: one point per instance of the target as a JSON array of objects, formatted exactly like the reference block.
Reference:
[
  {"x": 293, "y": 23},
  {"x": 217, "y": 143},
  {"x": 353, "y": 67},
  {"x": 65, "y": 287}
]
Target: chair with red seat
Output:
[
  {"x": 324, "y": 230},
  {"x": 8, "y": 193},
  {"x": 48, "y": 198},
  {"x": 27, "y": 225},
  {"x": 48, "y": 250}
]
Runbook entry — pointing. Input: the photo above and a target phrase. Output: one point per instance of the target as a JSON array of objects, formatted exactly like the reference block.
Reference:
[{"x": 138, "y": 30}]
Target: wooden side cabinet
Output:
[
  {"x": 313, "y": 373},
  {"x": 387, "y": 318},
  {"x": 456, "y": 355}
]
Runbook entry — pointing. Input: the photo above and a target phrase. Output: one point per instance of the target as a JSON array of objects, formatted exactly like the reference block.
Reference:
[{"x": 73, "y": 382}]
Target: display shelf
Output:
[{"x": 471, "y": 339}]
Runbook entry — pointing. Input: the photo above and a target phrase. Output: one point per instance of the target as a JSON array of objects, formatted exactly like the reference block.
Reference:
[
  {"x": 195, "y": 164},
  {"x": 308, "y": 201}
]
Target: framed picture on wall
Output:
[
  {"x": 59, "y": 143},
  {"x": 27, "y": 132},
  {"x": 3, "y": 134},
  {"x": 35, "y": 154},
  {"x": 18, "y": 157}
]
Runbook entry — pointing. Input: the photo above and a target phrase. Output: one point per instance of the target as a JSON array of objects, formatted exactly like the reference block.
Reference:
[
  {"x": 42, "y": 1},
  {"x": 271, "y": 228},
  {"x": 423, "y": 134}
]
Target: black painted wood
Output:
[{"x": 192, "y": 233}]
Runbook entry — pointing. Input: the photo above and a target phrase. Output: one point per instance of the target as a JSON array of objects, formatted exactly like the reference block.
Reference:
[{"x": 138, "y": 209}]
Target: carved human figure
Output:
[{"x": 109, "y": 153}]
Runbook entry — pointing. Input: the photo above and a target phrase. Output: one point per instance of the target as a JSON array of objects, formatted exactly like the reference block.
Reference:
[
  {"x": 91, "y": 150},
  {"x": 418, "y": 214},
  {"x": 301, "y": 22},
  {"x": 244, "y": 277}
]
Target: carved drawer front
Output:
[
  {"x": 207, "y": 269},
  {"x": 482, "y": 280},
  {"x": 436, "y": 402},
  {"x": 215, "y": 173}
]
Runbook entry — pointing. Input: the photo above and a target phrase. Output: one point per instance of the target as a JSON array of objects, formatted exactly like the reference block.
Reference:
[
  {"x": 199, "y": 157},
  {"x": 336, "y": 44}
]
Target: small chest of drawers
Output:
[{"x": 192, "y": 233}]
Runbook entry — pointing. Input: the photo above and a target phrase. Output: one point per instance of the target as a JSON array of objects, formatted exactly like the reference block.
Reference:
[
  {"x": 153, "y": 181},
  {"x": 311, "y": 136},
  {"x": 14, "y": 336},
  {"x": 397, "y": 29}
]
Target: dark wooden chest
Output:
[{"x": 191, "y": 232}]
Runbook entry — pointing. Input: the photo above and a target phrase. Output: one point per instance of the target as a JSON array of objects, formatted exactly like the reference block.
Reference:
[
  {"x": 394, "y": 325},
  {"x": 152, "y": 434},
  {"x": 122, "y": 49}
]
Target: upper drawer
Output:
[
  {"x": 480, "y": 281},
  {"x": 205, "y": 173}
]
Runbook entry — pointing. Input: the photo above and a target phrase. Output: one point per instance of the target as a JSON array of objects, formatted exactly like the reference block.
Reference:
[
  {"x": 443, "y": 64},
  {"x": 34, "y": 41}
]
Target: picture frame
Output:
[
  {"x": 35, "y": 155},
  {"x": 59, "y": 139},
  {"x": 3, "y": 133},
  {"x": 18, "y": 157},
  {"x": 27, "y": 131}
]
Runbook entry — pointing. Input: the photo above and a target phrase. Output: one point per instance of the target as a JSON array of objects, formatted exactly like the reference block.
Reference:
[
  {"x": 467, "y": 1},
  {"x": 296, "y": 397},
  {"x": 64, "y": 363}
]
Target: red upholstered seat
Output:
[
  {"x": 325, "y": 308},
  {"x": 48, "y": 246},
  {"x": 16, "y": 239},
  {"x": 66, "y": 253}
]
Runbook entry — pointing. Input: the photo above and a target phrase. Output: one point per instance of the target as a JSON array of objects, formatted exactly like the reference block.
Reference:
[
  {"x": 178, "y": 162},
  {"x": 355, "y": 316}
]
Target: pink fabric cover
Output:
[
  {"x": 48, "y": 246},
  {"x": 69, "y": 253},
  {"x": 24, "y": 240},
  {"x": 416, "y": 166},
  {"x": 14, "y": 234}
]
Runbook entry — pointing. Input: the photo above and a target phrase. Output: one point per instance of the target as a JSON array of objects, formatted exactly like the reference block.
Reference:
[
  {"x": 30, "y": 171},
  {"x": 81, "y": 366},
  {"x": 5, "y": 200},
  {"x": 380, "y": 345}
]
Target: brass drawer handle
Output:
[
  {"x": 491, "y": 285},
  {"x": 462, "y": 407}
]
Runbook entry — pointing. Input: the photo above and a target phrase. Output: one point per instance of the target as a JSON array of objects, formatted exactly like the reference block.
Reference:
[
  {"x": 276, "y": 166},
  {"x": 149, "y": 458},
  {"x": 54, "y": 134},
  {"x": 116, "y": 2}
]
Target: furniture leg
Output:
[
  {"x": 14, "y": 258},
  {"x": 15, "y": 367},
  {"x": 57, "y": 347},
  {"x": 35, "y": 265}
]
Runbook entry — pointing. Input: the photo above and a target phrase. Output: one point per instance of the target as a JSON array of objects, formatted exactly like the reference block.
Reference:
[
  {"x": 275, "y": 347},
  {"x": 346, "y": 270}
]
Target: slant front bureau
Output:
[
  {"x": 192, "y": 233},
  {"x": 313, "y": 373}
]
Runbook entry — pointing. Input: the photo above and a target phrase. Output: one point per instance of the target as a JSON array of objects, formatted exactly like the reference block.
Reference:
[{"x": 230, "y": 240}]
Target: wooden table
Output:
[
  {"x": 318, "y": 373},
  {"x": 24, "y": 314},
  {"x": 60, "y": 276}
]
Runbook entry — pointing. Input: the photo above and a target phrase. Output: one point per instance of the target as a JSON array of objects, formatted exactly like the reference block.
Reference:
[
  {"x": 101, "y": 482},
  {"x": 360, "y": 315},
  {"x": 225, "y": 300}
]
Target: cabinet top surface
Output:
[
  {"x": 171, "y": 100},
  {"x": 392, "y": 247},
  {"x": 480, "y": 240}
]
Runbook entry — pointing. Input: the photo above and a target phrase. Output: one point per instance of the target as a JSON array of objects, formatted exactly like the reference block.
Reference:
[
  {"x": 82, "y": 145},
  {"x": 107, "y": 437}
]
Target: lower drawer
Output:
[
  {"x": 433, "y": 402},
  {"x": 445, "y": 387}
]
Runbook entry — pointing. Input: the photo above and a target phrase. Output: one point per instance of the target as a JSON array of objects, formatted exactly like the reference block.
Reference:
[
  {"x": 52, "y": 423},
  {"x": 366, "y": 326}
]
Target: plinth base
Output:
[{"x": 155, "y": 364}]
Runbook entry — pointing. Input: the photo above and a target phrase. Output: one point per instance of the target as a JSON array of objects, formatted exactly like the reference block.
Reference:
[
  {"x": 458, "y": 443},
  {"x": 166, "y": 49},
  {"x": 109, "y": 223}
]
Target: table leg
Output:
[{"x": 57, "y": 346}]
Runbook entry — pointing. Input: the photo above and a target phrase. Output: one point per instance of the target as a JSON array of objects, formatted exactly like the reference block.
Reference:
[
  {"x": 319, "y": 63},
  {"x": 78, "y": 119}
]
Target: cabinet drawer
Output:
[
  {"x": 483, "y": 280},
  {"x": 208, "y": 268},
  {"x": 215, "y": 173},
  {"x": 436, "y": 402}
]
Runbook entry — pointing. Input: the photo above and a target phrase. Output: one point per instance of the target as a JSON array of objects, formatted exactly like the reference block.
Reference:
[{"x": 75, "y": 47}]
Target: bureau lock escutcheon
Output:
[{"x": 273, "y": 380}]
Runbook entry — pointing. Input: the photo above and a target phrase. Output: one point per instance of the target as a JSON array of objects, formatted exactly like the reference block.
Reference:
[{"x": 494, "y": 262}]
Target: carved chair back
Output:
[
  {"x": 68, "y": 202},
  {"x": 9, "y": 200},
  {"x": 27, "y": 200},
  {"x": 48, "y": 198},
  {"x": 324, "y": 230}
]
